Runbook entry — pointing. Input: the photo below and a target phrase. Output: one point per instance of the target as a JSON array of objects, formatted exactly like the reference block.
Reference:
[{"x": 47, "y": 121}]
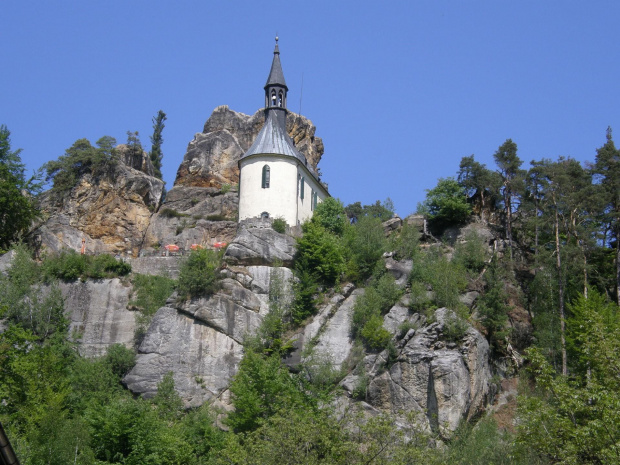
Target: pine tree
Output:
[{"x": 156, "y": 141}]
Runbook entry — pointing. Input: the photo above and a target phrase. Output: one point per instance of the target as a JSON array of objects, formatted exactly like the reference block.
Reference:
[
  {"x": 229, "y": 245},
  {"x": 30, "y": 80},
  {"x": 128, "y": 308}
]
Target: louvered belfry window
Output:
[{"x": 266, "y": 176}]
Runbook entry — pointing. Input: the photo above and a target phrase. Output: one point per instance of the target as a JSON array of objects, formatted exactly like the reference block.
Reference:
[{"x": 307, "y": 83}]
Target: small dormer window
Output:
[{"x": 266, "y": 176}]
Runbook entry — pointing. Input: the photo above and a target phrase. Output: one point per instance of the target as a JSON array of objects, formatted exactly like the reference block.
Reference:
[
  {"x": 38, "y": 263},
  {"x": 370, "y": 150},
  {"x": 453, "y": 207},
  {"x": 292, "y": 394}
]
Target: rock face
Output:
[
  {"x": 193, "y": 215},
  {"x": 257, "y": 243},
  {"x": 111, "y": 212},
  {"x": 98, "y": 314},
  {"x": 445, "y": 381},
  {"x": 212, "y": 157},
  {"x": 200, "y": 340}
]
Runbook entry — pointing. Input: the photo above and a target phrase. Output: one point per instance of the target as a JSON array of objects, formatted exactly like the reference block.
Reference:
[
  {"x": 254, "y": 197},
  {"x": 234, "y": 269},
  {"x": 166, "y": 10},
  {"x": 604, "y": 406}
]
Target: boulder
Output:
[
  {"x": 212, "y": 156},
  {"x": 257, "y": 244}
]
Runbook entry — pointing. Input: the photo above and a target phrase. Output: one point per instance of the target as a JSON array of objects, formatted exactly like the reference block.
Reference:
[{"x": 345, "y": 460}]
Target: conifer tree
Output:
[
  {"x": 157, "y": 140},
  {"x": 607, "y": 169}
]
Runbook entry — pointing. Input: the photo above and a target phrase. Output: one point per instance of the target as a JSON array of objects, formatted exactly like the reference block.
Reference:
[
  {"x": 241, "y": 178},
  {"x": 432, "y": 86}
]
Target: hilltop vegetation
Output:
[{"x": 545, "y": 290}]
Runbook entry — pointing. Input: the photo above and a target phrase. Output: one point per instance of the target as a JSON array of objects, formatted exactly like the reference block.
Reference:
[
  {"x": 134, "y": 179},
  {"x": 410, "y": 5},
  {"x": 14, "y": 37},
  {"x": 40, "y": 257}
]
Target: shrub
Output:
[
  {"x": 170, "y": 213},
  {"x": 367, "y": 322},
  {"x": 319, "y": 253},
  {"x": 225, "y": 188},
  {"x": 446, "y": 203},
  {"x": 406, "y": 245},
  {"x": 330, "y": 215},
  {"x": 365, "y": 244},
  {"x": 279, "y": 225},
  {"x": 471, "y": 253},
  {"x": 151, "y": 293},
  {"x": 69, "y": 266},
  {"x": 199, "y": 274}
]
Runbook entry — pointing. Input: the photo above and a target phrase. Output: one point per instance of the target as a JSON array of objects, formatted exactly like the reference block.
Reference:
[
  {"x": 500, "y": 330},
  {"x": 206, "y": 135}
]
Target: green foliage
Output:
[
  {"x": 381, "y": 210},
  {"x": 320, "y": 253},
  {"x": 225, "y": 188},
  {"x": 79, "y": 159},
  {"x": 279, "y": 225},
  {"x": 304, "y": 300},
  {"x": 150, "y": 294},
  {"x": 367, "y": 321},
  {"x": 488, "y": 444},
  {"x": 330, "y": 215},
  {"x": 17, "y": 207},
  {"x": 405, "y": 244},
  {"x": 157, "y": 140},
  {"x": 493, "y": 305},
  {"x": 260, "y": 389},
  {"x": 365, "y": 244},
  {"x": 25, "y": 302},
  {"x": 69, "y": 266},
  {"x": 169, "y": 403},
  {"x": 171, "y": 213},
  {"x": 446, "y": 204},
  {"x": 199, "y": 274},
  {"x": 472, "y": 252}
]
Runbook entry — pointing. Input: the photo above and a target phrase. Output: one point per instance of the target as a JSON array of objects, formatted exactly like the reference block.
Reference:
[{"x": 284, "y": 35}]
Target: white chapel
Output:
[{"x": 275, "y": 179}]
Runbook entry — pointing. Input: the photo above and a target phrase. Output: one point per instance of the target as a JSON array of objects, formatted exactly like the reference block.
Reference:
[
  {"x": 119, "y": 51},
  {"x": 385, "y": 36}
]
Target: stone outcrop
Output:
[
  {"x": 193, "y": 215},
  {"x": 445, "y": 381},
  {"x": 212, "y": 156},
  {"x": 111, "y": 212},
  {"x": 98, "y": 314},
  {"x": 257, "y": 243},
  {"x": 200, "y": 340}
]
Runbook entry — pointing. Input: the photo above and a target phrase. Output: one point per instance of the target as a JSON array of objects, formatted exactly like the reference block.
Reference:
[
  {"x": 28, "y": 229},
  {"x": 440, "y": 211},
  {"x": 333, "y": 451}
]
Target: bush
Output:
[
  {"x": 279, "y": 225},
  {"x": 320, "y": 254},
  {"x": 365, "y": 244},
  {"x": 367, "y": 322},
  {"x": 330, "y": 215},
  {"x": 69, "y": 266},
  {"x": 150, "y": 294},
  {"x": 199, "y": 274},
  {"x": 170, "y": 213},
  {"x": 446, "y": 204},
  {"x": 406, "y": 245},
  {"x": 471, "y": 253}
]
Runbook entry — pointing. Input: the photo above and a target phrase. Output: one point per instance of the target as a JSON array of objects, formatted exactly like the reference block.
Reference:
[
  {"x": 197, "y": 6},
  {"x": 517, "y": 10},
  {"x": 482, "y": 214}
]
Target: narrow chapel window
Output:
[
  {"x": 273, "y": 99},
  {"x": 280, "y": 99},
  {"x": 266, "y": 174},
  {"x": 312, "y": 205},
  {"x": 301, "y": 189}
]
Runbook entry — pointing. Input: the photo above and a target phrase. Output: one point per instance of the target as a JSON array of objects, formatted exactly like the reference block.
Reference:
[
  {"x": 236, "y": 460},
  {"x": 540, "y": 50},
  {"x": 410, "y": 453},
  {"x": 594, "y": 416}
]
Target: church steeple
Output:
[{"x": 275, "y": 89}]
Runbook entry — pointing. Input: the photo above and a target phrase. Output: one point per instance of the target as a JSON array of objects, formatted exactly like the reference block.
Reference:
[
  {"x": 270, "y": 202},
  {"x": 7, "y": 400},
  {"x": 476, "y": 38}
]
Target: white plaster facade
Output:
[{"x": 283, "y": 197}]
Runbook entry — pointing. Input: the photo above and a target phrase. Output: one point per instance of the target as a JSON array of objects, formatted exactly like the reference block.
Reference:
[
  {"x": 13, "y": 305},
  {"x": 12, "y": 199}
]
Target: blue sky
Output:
[{"x": 399, "y": 91}]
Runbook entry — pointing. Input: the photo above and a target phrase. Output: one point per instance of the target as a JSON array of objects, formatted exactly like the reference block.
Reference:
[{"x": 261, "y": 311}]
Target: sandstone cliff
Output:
[
  {"x": 212, "y": 157},
  {"x": 111, "y": 212}
]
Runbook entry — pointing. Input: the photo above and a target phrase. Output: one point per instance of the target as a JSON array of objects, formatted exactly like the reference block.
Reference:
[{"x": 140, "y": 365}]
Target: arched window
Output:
[
  {"x": 266, "y": 176},
  {"x": 264, "y": 215},
  {"x": 280, "y": 99},
  {"x": 315, "y": 199},
  {"x": 312, "y": 205},
  {"x": 301, "y": 188},
  {"x": 273, "y": 98}
]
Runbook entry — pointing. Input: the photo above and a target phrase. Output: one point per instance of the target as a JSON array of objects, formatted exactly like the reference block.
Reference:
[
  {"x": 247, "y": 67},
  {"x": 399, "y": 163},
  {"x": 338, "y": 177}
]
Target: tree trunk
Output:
[
  {"x": 560, "y": 292},
  {"x": 618, "y": 265}
]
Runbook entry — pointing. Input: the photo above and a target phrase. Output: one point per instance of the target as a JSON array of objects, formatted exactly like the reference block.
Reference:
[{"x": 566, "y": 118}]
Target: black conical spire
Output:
[{"x": 276, "y": 76}]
